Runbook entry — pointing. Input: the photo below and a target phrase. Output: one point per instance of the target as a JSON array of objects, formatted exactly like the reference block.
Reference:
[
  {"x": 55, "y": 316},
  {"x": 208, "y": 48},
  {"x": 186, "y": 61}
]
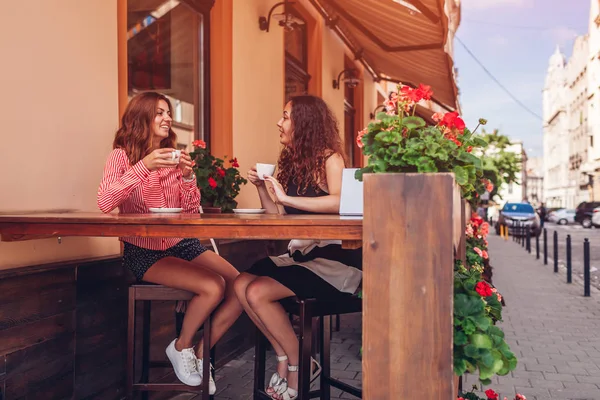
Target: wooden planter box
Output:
[{"x": 413, "y": 226}]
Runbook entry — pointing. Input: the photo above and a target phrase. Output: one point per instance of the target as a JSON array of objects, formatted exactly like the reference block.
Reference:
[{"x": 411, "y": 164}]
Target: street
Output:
[{"x": 578, "y": 234}]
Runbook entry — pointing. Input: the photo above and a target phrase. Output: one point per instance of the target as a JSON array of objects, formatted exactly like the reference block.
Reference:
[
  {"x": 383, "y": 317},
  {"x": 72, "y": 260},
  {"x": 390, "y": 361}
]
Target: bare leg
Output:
[
  {"x": 263, "y": 295},
  {"x": 208, "y": 287},
  {"x": 241, "y": 285},
  {"x": 228, "y": 311}
]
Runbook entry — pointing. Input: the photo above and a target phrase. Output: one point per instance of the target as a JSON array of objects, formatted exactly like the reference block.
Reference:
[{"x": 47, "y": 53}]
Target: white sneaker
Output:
[
  {"x": 184, "y": 364},
  {"x": 212, "y": 388}
]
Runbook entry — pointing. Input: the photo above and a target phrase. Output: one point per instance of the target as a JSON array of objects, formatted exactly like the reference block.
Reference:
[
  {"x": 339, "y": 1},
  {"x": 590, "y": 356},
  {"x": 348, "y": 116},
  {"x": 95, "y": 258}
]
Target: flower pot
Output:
[{"x": 212, "y": 210}]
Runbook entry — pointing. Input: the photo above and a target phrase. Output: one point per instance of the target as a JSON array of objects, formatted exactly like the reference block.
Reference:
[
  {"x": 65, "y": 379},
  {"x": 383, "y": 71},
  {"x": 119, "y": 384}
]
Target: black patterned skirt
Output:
[{"x": 139, "y": 260}]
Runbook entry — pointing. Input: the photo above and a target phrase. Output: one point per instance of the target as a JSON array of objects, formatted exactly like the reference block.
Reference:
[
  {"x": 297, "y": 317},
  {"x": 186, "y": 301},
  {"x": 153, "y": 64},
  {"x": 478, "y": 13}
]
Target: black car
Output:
[
  {"x": 584, "y": 212},
  {"x": 518, "y": 215}
]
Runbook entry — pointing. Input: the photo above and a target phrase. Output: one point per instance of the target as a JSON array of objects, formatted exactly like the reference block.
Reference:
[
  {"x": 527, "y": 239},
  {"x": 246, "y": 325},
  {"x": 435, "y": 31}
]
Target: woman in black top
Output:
[{"x": 309, "y": 180}]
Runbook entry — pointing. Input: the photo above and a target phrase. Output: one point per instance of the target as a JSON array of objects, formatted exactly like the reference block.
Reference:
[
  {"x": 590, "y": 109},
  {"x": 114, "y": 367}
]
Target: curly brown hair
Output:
[
  {"x": 135, "y": 133},
  {"x": 315, "y": 138}
]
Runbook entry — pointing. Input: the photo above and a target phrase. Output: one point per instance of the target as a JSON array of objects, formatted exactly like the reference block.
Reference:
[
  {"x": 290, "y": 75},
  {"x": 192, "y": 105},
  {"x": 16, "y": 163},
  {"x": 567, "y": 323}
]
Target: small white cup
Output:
[
  {"x": 264, "y": 169},
  {"x": 175, "y": 155}
]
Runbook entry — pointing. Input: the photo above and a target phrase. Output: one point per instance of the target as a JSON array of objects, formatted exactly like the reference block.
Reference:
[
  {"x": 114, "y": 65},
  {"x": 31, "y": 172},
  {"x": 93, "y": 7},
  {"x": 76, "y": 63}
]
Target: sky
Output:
[{"x": 514, "y": 40}]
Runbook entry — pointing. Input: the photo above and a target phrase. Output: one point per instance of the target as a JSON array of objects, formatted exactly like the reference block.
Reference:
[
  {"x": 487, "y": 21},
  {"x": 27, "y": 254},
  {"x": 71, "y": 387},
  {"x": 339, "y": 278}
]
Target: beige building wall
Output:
[
  {"x": 258, "y": 91},
  {"x": 333, "y": 64},
  {"x": 59, "y": 79}
]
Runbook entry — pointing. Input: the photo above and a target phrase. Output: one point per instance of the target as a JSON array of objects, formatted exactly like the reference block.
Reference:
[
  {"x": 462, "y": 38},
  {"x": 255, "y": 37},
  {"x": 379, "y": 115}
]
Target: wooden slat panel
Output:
[
  {"x": 30, "y": 298},
  {"x": 407, "y": 314},
  {"x": 102, "y": 289},
  {"x": 23, "y": 336},
  {"x": 45, "y": 369}
]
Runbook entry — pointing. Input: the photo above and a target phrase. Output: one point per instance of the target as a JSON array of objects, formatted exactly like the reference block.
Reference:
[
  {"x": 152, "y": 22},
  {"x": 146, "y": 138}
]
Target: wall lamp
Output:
[
  {"x": 382, "y": 106},
  {"x": 286, "y": 19},
  {"x": 374, "y": 113},
  {"x": 349, "y": 79}
]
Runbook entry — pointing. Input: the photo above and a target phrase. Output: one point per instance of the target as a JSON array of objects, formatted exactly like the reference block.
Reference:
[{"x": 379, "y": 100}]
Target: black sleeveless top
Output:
[{"x": 292, "y": 191}]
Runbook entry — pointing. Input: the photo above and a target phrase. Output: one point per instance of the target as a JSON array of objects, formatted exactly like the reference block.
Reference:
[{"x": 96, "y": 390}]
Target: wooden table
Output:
[{"x": 27, "y": 226}]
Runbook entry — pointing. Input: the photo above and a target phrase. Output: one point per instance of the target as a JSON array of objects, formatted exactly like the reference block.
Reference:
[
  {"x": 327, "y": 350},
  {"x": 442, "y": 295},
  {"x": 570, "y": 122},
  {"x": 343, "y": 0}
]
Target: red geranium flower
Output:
[
  {"x": 234, "y": 163},
  {"x": 410, "y": 94},
  {"x": 452, "y": 120},
  {"x": 424, "y": 92},
  {"x": 484, "y": 290},
  {"x": 491, "y": 395},
  {"x": 221, "y": 172},
  {"x": 199, "y": 143},
  {"x": 212, "y": 183},
  {"x": 359, "y": 142}
]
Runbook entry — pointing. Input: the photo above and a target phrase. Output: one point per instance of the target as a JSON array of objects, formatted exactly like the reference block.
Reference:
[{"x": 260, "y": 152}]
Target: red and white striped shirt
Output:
[{"x": 135, "y": 189}]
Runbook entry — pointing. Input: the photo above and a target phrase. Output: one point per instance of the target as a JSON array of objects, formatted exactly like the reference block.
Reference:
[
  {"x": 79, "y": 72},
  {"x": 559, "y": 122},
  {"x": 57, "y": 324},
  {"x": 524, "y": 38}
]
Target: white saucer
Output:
[
  {"x": 166, "y": 210},
  {"x": 249, "y": 210}
]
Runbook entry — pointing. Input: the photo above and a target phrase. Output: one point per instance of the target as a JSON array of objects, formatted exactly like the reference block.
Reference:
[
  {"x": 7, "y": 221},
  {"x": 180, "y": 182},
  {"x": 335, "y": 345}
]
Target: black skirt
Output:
[
  {"x": 303, "y": 282},
  {"x": 139, "y": 260}
]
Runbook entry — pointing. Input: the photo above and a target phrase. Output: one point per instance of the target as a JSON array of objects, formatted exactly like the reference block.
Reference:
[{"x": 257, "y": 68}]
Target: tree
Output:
[{"x": 499, "y": 165}]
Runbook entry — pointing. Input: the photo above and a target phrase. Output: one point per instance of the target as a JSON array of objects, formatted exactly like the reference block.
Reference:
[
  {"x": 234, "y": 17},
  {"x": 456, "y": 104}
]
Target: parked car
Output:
[
  {"x": 549, "y": 212},
  {"x": 514, "y": 215},
  {"x": 563, "y": 216},
  {"x": 596, "y": 217},
  {"x": 584, "y": 213}
]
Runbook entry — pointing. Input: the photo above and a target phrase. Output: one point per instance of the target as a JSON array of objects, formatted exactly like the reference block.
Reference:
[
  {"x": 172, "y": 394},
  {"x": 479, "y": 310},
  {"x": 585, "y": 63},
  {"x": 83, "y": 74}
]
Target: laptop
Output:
[{"x": 351, "y": 199}]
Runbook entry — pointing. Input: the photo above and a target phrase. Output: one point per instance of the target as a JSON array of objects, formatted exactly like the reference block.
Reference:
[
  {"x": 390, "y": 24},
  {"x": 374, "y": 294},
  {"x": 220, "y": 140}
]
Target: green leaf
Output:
[
  {"x": 426, "y": 164},
  {"x": 460, "y": 338},
  {"x": 487, "y": 359},
  {"x": 460, "y": 367},
  {"x": 482, "y": 322},
  {"x": 461, "y": 175},
  {"x": 413, "y": 122},
  {"x": 465, "y": 305},
  {"x": 471, "y": 351},
  {"x": 481, "y": 341},
  {"x": 479, "y": 142}
]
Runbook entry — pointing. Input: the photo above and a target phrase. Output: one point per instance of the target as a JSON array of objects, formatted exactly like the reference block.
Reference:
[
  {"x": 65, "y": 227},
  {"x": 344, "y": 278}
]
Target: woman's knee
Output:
[
  {"x": 241, "y": 283},
  {"x": 213, "y": 287},
  {"x": 256, "y": 292}
]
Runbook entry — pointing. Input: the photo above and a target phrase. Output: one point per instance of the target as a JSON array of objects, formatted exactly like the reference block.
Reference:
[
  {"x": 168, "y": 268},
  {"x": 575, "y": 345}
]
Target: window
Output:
[
  {"x": 166, "y": 52},
  {"x": 296, "y": 59},
  {"x": 518, "y": 208}
]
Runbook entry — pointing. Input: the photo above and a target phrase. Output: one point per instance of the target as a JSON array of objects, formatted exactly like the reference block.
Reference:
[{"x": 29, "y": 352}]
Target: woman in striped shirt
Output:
[{"x": 141, "y": 173}]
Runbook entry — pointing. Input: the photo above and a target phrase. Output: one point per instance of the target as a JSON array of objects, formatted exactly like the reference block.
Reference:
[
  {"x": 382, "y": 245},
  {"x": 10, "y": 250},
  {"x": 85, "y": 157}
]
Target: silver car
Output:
[{"x": 518, "y": 215}]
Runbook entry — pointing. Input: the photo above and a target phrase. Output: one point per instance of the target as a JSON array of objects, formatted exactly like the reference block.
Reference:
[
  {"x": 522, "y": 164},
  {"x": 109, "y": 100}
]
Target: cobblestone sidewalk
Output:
[{"x": 234, "y": 381}]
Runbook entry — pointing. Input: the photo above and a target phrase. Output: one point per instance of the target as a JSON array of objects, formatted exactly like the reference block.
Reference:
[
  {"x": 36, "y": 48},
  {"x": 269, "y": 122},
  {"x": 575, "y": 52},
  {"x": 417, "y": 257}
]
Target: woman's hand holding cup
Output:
[
  {"x": 186, "y": 164},
  {"x": 253, "y": 177},
  {"x": 161, "y": 158}
]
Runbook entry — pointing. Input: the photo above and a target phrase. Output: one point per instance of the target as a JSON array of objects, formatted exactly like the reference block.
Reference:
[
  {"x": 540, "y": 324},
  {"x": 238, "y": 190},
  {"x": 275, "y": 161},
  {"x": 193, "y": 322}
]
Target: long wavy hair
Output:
[
  {"x": 136, "y": 131},
  {"x": 315, "y": 138}
]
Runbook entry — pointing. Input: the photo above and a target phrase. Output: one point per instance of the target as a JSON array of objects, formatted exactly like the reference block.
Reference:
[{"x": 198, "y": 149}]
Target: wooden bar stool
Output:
[
  {"x": 147, "y": 293},
  {"x": 307, "y": 310}
]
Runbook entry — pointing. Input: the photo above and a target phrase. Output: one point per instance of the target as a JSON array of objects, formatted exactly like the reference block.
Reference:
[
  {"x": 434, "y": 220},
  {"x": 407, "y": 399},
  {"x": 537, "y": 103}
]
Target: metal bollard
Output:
[
  {"x": 528, "y": 242},
  {"x": 586, "y": 267},
  {"x": 569, "y": 259},
  {"x": 537, "y": 247},
  {"x": 545, "y": 247},
  {"x": 521, "y": 234},
  {"x": 523, "y": 227},
  {"x": 555, "y": 251}
]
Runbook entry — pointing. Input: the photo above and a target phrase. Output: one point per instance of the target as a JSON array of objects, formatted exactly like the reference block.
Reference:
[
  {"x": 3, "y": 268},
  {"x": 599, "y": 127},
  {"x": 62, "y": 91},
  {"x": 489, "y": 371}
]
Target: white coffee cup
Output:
[
  {"x": 264, "y": 169},
  {"x": 175, "y": 155}
]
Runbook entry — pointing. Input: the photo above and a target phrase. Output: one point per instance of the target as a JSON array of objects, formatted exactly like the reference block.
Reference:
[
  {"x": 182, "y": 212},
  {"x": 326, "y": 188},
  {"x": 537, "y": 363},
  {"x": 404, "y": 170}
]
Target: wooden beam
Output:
[
  {"x": 424, "y": 10},
  {"x": 408, "y": 287}
]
